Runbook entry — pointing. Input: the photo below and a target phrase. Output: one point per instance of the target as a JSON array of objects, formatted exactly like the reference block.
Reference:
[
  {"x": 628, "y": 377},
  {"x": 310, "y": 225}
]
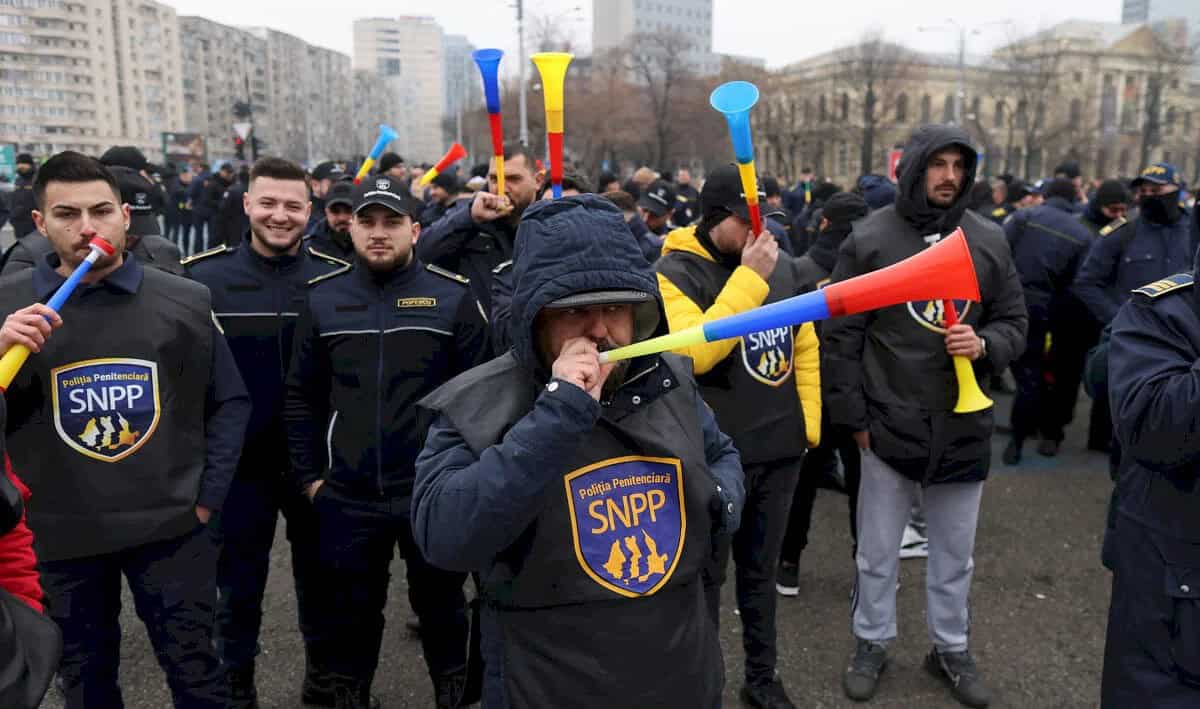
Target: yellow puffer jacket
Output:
[{"x": 745, "y": 290}]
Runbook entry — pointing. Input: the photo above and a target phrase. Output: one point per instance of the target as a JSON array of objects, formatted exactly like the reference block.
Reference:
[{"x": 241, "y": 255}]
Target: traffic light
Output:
[{"x": 239, "y": 147}]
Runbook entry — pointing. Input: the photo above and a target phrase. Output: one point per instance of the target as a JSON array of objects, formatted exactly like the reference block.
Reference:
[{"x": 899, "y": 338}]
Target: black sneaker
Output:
[
  {"x": 767, "y": 695},
  {"x": 318, "y": 691},
  {"x": 787, "y": 579},
  {"x": 242, "y": 694},
  {"x": 1012, "y": 452},
  {"x": 862, "y": 676},
  {"x": 1048, "y": 447},
  {"x": 958, "y": 671}
]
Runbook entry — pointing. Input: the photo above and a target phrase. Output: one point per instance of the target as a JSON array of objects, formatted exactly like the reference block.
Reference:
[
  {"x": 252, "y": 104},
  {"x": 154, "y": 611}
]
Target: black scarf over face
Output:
[{"x": 912, "y": 200}]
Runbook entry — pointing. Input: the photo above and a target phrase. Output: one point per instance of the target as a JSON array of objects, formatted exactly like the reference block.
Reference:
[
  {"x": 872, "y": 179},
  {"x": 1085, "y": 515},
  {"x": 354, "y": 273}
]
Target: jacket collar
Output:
[
  {"x": 269, "y": 264},
  {"x": 126, "y": 279}
]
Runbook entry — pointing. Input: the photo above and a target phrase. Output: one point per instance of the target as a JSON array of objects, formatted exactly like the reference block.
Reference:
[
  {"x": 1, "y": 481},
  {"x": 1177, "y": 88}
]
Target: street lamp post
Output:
[
  {"x": 524, "y": 135},
  {"x": 961, "y": 92}
]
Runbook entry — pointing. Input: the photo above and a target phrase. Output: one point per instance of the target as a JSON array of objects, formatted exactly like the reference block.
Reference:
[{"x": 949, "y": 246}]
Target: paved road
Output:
[{"x": 1039, "y": 604}]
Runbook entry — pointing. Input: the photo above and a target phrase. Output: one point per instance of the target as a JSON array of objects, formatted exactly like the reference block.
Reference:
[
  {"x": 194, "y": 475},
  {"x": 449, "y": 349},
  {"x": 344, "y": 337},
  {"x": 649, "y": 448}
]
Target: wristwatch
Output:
[{"x": 982, "y": 347}]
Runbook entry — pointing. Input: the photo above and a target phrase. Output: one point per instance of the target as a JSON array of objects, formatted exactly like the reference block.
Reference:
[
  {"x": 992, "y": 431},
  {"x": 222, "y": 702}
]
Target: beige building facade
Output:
[
  {"x": 1078, "y": 91},
  {"x": 88, "y": 74}
]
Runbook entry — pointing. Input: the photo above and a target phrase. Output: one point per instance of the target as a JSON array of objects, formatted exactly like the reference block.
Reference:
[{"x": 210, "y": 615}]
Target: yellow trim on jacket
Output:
[{"x": 745, "y": 290}]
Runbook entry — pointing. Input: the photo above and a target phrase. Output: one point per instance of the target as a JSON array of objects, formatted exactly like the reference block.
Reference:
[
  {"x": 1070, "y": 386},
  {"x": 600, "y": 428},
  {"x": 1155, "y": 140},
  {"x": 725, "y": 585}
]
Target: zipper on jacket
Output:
[
  {"x": 379, "y": 393},
  {"x": 329, "y": 439}
]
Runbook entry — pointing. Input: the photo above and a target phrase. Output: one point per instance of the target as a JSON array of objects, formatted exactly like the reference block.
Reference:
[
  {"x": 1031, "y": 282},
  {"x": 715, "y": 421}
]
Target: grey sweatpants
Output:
[{"x": 885, "y": 499}]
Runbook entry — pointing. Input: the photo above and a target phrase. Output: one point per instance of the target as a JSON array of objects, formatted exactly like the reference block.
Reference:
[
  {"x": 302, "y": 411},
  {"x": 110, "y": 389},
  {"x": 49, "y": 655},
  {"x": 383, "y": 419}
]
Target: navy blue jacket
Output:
[
  {"x": 467, "y": 508},
  {"x": 367, "y": 348},
  {"x": 257, "y": 300},
  {"x": 1154, "y": 391},
  {"x": 456, "y": 243},
  {"x": 21, "y": 203},
  {"x": 1048, "y": 243},
  {"x": 329, "y": 242},
  {"x": 1124, "y": 260}
]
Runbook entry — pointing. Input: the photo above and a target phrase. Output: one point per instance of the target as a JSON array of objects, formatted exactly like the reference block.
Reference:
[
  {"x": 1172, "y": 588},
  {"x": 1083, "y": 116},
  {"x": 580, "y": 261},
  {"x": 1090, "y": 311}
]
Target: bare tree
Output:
[
  {"x": 871, "y": 74},
  {"x": 1169, "y": 56},
  {"x": 1028, "y": 78},
  {"x": 657, "y": 65}
]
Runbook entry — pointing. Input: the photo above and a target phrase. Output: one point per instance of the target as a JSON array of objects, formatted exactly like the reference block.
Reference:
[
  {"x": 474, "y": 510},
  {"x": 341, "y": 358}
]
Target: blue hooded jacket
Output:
[
  {"x": 477, "y": 494},
  {"x": 467, "y": 508}
]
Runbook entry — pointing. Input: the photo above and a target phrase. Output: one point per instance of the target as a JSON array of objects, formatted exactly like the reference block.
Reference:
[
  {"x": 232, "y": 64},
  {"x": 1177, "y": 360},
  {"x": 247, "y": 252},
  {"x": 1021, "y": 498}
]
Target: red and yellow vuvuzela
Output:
[
  {"x": 552, "y": 66},
  {"x": 943, "y": 271},
  {"x": 453, "y": 155}
]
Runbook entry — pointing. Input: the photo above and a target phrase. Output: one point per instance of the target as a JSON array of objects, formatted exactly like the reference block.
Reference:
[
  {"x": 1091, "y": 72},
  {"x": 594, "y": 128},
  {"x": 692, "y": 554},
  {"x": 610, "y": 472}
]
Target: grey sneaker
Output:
[
  {"x": 862, "y": 676},
  {"x": 958, "y": 671}
]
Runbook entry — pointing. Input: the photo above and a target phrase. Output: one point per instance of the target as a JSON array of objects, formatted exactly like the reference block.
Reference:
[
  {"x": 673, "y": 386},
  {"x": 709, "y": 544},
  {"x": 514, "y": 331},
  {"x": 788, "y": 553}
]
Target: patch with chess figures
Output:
[
  {"x": 767, "y": 355},
  {"x": 931, "y": 314},
  {"x": 106, "y": 409},
  {"x": 628, "y": 522}
]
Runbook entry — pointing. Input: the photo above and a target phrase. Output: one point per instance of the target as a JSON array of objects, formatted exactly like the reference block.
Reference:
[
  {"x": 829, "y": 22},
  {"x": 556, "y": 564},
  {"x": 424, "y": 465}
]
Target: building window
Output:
[
  {"x": 821, "y": 111},
  {"x": 845, "y": 107},
  {"x": 1076, "y": 114},
  {"x": 902, "y": 108},
  {"x": 926, "y": 108},
  {"x": 1169, "y": 121},
  {"x": 999, "y": 122},
  {"x": 948, "y": 109},
  {"x": 1022, "y": 115}
]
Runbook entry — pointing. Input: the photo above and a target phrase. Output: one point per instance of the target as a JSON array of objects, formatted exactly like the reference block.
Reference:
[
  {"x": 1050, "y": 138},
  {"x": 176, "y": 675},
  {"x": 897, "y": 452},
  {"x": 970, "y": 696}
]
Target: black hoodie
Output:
[{"x": 887, "y": 371}]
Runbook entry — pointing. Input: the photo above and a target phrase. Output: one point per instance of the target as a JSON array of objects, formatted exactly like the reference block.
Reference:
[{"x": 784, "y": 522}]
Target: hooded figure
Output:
[
  {"x": 587, "y": 497},
  {"x": 889, "y": 377}
]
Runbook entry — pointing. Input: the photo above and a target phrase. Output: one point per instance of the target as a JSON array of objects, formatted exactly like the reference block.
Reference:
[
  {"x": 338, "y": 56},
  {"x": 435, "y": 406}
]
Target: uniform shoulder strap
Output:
[
  {"x": 327, "y": 258},
  {"x": 223, "y": 248},
  {"x": 344, "y": 268},
  {"x": 1113, "y": 226},
  {"x": 456, "y": 277},
  {"x": 1166, "y": 285}
]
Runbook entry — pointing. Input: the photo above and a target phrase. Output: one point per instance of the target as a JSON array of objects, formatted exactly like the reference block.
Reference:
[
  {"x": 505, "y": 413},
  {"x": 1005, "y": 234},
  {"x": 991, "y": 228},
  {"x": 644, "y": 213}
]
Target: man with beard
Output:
[
  {"x": 256, "y": 286},
  {"x": 473, "y": 242},
  {"x": 889, "y": 378},
  {"x": 1153, "y": 245},
  {"x": 149, "y": 413},
  {"x": 532, "y": 460},
  {"x": 765, "y": 390},
  {"x": 441, "y": 197},
  {"x": 21, "y": 201},
  {"x": 370, "y": 343},
  {"x": 331, "y": 235}
]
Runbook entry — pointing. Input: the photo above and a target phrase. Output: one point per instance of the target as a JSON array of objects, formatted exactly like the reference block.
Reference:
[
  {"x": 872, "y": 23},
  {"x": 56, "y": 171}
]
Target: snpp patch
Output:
[{"x": 106, "y": 408}]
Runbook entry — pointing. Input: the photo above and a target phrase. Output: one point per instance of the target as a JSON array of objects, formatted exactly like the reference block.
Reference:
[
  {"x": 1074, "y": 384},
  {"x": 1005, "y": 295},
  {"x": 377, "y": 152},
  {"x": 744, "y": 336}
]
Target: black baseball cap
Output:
[
  {"x": 388, "y": 192},
  {"x": 328, "y": 170},
  {"x": 144, "y": 200},
  {"x": 601, "y": 297},
  {"x": 341, "y": 192},
  {"x": 722, "y": 191},
  {"x": 126, "y": 156},
  {"x": 658, "y": 199}
]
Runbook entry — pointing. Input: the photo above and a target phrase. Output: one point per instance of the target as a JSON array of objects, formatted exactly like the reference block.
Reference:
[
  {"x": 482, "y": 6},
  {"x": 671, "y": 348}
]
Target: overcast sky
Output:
[{"x": 780, "y": 31}]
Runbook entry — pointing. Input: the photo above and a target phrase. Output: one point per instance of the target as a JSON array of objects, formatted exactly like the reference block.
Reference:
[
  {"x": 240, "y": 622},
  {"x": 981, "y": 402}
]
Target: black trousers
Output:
[
  {"x": 755, "y": 548},
  {"x": 1152, "y": 648},
  {"x": 357, "y": 539},
  {"x": 818, "y": 465},
  {"x": 174, "y": 590},
  {"x": 246, "y": 529}
]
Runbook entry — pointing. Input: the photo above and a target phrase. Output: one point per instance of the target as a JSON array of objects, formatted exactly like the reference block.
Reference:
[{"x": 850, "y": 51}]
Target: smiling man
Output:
[
  {"x": 889, "y": 378},
  {"x": 257, "y": 287},
  {"x": 370, "y": 344},
  {"x": 126, "y": 423}
]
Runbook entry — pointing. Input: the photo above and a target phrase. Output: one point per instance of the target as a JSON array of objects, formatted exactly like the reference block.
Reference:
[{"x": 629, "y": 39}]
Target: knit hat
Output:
[{"x": 1111, "y": 192}]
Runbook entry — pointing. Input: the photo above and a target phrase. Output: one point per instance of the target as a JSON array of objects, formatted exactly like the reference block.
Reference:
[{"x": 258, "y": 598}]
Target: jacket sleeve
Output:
[
  {"x": 501, "y": 315},
  {"x": 1099, "y": 269},
  {"x": 743, "y": 291},
  {"x": 445, "y": 237},
  {"x": 1154, "y": 390},
  {"x": 306, "y": 401},
  {"x": 725, "y": 464},
  {"x": 842, "y": 352},
  {"x": 466, "y": 509},
  {"x": 18, "y": 259},
  {"x": 1007, "y": 319},
  {"x": 471, "y": 333},
  {"x": 806, "y": 361},
  {"x": 18, "y": 564},
  {"x": 226, "y": 415}
]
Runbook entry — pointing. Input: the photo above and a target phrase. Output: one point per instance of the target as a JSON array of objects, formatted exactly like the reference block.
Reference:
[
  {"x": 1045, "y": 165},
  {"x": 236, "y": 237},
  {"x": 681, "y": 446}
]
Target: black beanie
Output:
[
  {"x": 1061, "y": 187},
  {"x": 1110, "y": 192},
  {"x": 843, "y": 208}
]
